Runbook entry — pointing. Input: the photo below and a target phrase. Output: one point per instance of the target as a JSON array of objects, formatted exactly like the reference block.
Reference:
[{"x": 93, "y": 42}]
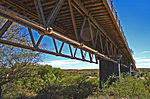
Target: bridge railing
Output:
[{"x": 110, "y": 2}]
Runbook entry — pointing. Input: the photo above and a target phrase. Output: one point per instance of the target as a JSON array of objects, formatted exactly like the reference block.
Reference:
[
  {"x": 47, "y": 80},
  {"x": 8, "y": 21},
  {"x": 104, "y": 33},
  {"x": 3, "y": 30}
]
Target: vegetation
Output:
[
  {"x": 46, "y": 82},
  {"x": 129, "y": 86},
  {"x": 14, "y": 61}
]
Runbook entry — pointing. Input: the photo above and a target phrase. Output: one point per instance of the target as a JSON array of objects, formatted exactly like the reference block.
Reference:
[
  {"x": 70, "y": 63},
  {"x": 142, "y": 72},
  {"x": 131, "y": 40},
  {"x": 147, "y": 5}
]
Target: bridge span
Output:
[{"x": 89, "y": 26}]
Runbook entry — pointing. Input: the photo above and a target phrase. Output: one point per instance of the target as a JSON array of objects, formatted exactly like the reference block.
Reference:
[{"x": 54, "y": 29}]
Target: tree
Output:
[
  {"x": 79, "y": 86},
  {"x": 128, "y": 86},
  {"x": 14, "y": 61},
  {"x": 43, "y": 82}
]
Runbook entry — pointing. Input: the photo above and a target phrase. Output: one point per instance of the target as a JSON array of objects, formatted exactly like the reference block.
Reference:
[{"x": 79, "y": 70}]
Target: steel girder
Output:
[{"x": 108, "y": 50}]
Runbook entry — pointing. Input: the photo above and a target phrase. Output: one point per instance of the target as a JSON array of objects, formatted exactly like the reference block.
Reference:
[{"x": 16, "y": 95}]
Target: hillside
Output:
[{"x": 143, "y": 69}]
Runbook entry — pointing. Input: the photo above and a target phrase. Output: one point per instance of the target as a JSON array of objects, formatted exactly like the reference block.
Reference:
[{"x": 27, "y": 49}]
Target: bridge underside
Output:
[{"x": 88, "y": 27}]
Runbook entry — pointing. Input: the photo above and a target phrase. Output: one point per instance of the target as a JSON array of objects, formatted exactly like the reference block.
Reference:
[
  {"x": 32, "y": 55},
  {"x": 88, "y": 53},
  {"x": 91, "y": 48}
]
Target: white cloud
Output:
[
  {"x": 70, "y": 64},
  {"x": 142, "y": 62},
  {"x": 136, "y": 58},
  {"x": 145, "y": 52},
  {"x": 61, "y": 62},
  {"x": 146, "y": 64}
]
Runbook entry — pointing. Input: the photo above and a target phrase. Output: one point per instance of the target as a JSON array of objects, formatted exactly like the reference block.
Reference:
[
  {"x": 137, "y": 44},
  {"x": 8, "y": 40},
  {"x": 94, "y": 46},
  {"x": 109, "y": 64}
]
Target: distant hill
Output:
[
  {"x": 91, "y": 73},
  {"x": 96, "y": 70},
  {"x": 80, "y": 70},
  {"x": 143, "y": 69}
]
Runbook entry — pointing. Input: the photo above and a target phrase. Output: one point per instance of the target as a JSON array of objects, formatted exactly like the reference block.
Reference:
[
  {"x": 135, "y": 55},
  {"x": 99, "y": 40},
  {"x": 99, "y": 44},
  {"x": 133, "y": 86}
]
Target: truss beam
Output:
[
  {"x": 40, "y": 12},
  {"x": 5, "y": 27},
  {"x": 54, "y": 13},
  {"x": 39, "y": 50},
  {"x": 12, "y": 16}
]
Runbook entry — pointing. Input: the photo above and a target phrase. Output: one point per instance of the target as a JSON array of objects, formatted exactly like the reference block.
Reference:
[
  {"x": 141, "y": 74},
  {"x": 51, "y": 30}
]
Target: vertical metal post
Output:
[
  {"x": 119, "y": 56},
  {"x": 100, "y": 73},
  {"x": 118, "y": 69},
  {"x": 130, "y": 69},
  {"x": 133, "y": 73}
]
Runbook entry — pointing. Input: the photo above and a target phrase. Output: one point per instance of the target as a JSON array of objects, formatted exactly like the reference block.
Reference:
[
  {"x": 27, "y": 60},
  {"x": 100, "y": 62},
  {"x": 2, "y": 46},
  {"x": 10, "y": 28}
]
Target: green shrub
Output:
[{"x": 127, "y": 86}]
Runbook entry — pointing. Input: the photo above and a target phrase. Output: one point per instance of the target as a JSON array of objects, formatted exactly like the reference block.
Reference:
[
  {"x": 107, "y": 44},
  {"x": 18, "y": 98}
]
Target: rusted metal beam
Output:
[
  {"x": 53, "y": 15},
  {"x": 101, "y": 43},
  {"x": 55, "y": 45},
  {"x": 90, "y": 57},
  {"x": 75, "y": 52},
  {"x": 13, "y": 16},
  {"x": 70, "y": 50},
  {"x": 21, "y": 7},
  {"x": 107, "y": 46},
  {"x": 78, "y": 9},
  {"x": 81, "y": 6},
  {"x": 81, "y": 31},
  {"x": 61, "y": 47},
  {"x": 100, "y": 73},
  {"x": 96, "y": 58},
  {"x": 39, "y": 41},
  {"x": 39, "y": 9},
  {"x": 5, "y": 27},
  {"x": 91, "y": 33},
  {"x": 39, "y": 50},
  {"x": 115, "y": 53},
  {"x": 82, "y": 54},
  {"x": 96, "y": 40},
  {"x": 73, "y": 20},
  {"x": 31, "y": 36},
  {"x": 112, "y": 54},
  {"x": 85, "y": 54}
]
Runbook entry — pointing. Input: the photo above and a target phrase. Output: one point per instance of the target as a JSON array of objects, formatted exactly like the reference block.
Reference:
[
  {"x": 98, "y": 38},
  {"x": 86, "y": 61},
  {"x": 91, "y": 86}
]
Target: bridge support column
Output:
[
  {"x": 100, "y": 74},
  {"x": 124, "y": 69},
  {"x": 118, "y": 69},
  {"x": 133, "y": 73},
  {"x": 130, "y": 69},
  {"x": 106, "y": 69}
]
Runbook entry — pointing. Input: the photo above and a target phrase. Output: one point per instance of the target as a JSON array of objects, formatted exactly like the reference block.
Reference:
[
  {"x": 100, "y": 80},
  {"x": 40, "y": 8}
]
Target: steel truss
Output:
[{"x": 106, "y": 47}]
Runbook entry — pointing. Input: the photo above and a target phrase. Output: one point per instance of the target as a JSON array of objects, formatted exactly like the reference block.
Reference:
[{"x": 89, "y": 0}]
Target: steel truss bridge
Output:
[{"x": 89, "y": 26}]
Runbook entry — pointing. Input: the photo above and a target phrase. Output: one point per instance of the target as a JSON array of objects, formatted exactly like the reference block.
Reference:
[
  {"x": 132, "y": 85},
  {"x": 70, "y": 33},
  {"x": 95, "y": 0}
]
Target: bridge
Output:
[{"x": 89, "y": 28}]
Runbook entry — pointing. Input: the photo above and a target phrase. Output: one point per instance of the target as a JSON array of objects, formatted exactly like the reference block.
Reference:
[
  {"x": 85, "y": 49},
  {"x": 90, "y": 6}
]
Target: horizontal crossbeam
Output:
[{"x": 40, "y": 50}]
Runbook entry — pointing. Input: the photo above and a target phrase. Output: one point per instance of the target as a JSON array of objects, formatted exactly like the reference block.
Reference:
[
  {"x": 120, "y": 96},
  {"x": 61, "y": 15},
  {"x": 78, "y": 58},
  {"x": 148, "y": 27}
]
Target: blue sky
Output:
[{"x": 135, "y": 19}]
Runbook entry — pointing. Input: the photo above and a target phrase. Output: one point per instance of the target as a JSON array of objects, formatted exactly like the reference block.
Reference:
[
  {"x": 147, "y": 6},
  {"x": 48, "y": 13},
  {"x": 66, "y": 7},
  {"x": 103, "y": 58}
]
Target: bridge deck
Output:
[{"x": 96, "y": 14}]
